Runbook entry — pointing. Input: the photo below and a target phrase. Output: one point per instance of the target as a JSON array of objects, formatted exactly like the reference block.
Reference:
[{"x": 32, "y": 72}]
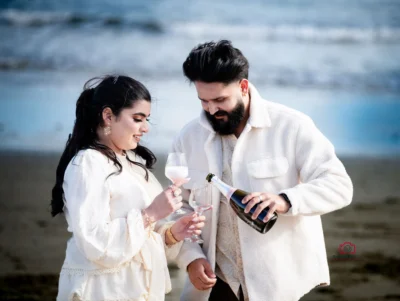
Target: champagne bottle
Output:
[{"x": 235, "y": 197}]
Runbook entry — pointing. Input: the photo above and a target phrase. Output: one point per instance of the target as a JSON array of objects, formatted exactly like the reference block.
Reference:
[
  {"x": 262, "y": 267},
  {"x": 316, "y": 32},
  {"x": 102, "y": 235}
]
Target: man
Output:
[{"x": 280, "y": 156}]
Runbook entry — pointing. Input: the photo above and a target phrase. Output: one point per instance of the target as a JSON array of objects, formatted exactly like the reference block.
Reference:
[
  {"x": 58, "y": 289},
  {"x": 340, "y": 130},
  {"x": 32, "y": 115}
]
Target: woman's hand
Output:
[
  {"x": 188, "y": 225},
  {"x": 165, "y": 203}
]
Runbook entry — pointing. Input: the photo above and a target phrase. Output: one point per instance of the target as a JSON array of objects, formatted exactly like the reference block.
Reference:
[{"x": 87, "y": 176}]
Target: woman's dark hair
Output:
[
  {"x": 116, "y": 93},
  {"x": 216, "y": 62}
]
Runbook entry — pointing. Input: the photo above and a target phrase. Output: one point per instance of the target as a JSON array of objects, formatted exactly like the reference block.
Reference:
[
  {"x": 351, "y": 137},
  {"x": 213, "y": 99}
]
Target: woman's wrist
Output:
[
  {"x": 175, "y": 233},
  {"x": 170, "y": 239},
  {"x": 148, "y": 219}
]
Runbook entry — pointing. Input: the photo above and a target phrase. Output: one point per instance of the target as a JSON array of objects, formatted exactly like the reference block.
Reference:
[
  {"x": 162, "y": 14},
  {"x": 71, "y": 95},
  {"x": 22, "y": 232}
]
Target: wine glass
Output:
[
  {"x": 176, "y": 170},
  {"x": 200, "y": 201}
]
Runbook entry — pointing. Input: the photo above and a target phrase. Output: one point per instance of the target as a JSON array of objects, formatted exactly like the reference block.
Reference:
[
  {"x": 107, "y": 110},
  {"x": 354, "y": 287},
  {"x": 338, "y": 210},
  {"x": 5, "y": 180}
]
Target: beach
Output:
[
  {"x": 337, "y": 62},
  {"x": 32, "y": 243}
]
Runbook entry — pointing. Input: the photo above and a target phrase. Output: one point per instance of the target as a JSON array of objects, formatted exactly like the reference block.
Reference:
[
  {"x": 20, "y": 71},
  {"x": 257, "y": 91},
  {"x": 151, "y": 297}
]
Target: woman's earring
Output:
[{"x": 107, "y": 130}]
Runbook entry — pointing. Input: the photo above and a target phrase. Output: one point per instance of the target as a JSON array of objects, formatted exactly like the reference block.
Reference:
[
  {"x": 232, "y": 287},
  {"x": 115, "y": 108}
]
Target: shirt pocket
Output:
[{"x": 266, "y": 174}]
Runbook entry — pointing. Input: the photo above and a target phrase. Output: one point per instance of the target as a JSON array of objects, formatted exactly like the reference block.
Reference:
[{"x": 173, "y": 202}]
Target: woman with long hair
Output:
[{"x": 112, "y": 202}]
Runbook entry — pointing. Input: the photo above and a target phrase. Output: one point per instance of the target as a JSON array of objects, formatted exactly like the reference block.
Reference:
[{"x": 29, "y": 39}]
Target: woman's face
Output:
[{"x": 128, "y": 128}]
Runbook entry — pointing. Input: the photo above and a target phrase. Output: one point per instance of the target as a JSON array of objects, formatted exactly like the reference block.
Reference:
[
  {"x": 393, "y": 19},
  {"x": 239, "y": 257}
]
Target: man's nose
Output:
[{"x": 212, "y": 108}]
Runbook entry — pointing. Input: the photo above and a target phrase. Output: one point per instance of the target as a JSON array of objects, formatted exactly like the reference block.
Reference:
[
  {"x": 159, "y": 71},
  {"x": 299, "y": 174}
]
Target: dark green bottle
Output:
[{"x": 235, "y": 197}]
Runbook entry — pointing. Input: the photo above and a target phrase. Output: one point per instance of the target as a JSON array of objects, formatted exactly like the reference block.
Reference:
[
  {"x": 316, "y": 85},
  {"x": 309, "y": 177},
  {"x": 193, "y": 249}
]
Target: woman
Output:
[{"x": 112, "y": 201}]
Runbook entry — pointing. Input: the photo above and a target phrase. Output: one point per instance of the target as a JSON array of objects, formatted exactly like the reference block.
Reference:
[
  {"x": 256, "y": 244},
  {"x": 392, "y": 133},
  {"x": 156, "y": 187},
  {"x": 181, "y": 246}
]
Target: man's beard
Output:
[{"x": 234, "y": 118}]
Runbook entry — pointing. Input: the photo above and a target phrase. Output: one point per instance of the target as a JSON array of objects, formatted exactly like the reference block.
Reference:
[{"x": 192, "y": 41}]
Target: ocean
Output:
[{"x": 337, "y": 61}]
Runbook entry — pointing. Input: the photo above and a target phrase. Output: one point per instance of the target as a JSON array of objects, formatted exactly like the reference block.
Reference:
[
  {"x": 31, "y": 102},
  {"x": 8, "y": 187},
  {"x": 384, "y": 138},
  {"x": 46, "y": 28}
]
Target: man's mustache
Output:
[{"x": 220, "y": 114}]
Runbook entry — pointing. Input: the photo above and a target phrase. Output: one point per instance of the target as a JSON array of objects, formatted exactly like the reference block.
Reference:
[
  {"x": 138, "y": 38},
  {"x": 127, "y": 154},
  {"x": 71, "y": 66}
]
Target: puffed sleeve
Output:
[{"x": 105, "y": 241}]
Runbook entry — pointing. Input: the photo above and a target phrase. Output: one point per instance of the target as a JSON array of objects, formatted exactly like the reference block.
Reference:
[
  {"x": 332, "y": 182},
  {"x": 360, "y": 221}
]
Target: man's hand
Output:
[
  {"x": 201, "y": 274},
  {"x": 274, "y": 202}
]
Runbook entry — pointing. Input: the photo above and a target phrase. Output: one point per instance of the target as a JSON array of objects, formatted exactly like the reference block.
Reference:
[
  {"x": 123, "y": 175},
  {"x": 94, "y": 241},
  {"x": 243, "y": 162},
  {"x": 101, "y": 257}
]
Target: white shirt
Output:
[
  {"x": 111, "y": 256},
  {"x": 279, "y": 151}
]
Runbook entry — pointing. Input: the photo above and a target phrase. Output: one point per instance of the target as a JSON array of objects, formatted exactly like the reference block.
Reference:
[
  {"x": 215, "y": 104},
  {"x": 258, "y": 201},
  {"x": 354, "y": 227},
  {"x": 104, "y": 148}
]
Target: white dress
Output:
[{"x": 111, "y": 256}]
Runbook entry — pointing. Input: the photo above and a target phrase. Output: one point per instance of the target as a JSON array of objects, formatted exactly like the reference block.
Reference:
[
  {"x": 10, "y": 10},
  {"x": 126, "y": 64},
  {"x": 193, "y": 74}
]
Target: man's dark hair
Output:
[{"x": 216, "y": 62}]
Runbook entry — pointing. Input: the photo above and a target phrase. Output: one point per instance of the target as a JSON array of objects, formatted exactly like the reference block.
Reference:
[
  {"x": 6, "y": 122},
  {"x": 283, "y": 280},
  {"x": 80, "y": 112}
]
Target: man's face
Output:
[{"x": 223, "y": 105}]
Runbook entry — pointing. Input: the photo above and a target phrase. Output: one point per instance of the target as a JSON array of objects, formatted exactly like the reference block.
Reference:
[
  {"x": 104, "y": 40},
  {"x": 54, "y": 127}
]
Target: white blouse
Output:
[{"x": 111, "y": 256}]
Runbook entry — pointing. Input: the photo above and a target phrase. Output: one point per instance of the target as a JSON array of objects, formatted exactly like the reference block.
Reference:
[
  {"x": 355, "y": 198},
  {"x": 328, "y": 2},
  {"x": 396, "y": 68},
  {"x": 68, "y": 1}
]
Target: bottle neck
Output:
[{"x": 225, "y": 189}]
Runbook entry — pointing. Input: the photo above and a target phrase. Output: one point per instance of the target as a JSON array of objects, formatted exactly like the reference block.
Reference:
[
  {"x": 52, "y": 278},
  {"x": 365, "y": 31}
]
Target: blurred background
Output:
[{"x": 337, "y": 61}]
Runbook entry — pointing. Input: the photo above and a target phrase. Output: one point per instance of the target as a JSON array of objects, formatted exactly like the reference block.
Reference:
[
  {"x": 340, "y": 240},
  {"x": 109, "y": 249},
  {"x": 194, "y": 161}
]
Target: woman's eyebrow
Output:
[{"x": 142, "y": 114}]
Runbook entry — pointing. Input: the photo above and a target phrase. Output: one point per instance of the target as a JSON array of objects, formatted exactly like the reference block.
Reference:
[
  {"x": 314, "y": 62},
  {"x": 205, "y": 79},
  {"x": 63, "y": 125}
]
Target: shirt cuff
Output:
[{"x": 288, "y": 197}]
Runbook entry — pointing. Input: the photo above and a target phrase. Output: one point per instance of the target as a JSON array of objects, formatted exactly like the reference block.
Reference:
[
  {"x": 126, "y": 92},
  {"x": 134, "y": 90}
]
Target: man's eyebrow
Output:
[
  {"x": 214, "y": 99},
  {"x": 142, "y": 114}
]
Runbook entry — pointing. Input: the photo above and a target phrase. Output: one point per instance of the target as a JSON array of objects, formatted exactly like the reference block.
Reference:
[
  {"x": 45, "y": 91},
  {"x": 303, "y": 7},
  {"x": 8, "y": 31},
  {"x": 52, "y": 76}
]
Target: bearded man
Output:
[{"x": 276, "y": 153}]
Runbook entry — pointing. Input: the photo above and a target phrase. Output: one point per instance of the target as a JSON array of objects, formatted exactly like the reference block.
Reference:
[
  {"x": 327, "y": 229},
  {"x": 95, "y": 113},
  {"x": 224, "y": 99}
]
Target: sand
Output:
[{"x": 32, "y": 244}]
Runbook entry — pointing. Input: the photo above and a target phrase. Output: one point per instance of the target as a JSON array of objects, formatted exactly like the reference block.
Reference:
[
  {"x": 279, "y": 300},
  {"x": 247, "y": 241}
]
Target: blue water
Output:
[{"x": 337, "y": 61}]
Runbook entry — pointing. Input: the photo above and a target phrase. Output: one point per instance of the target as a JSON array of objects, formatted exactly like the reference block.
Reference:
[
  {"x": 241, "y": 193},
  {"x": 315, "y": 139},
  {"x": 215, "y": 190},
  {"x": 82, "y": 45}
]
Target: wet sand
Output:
[{"x": 32, "y": 244}]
